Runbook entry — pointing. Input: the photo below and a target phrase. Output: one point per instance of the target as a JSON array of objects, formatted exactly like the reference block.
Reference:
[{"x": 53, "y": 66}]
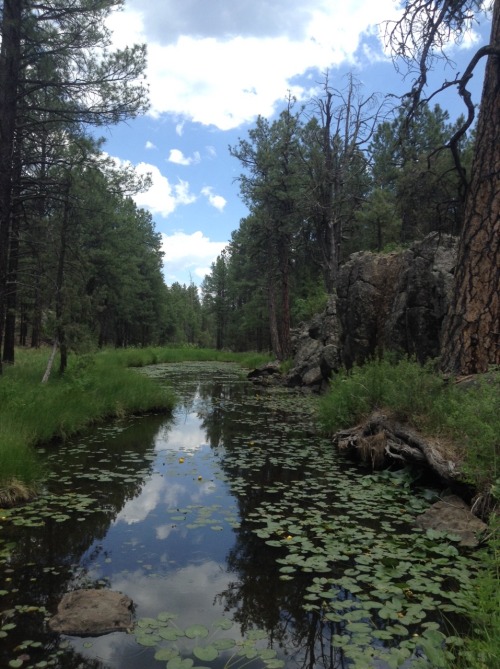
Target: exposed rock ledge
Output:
[{"x": 92, "y": 613}]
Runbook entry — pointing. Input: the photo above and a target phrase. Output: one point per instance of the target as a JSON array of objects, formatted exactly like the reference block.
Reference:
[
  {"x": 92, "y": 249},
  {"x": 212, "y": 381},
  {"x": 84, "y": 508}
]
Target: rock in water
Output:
[
  {"x": 92, "y": 613},
  {"x": 452, "y": 514}
]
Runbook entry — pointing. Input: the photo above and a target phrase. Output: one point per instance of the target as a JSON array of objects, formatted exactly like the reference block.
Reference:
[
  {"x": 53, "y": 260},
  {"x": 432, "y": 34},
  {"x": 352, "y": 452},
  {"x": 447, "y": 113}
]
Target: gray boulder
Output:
[
  {"x": 452, "y": 514},
  {"x": 92, "y": 613}
]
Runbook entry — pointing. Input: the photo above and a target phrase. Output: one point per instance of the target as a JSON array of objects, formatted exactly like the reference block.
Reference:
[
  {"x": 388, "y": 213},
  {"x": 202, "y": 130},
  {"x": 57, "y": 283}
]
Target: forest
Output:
[{"x": 81, "y": 264}]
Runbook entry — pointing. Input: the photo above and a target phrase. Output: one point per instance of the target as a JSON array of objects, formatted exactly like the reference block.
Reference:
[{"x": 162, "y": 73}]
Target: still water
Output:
[{"x": 242, "y": 538}]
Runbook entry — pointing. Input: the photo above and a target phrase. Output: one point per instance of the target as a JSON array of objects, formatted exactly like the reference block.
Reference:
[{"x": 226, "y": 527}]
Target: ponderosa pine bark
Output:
[
  {"x": 471, "y": 334},
  {"x": 10, "y": 64}
]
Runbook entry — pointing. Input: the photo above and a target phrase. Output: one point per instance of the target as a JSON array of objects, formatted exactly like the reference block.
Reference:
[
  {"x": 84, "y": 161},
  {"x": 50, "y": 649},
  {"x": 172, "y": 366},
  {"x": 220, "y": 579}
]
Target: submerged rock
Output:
[
  {"x": 92, "y": 613},
  {"x": 452, "y": 514}
]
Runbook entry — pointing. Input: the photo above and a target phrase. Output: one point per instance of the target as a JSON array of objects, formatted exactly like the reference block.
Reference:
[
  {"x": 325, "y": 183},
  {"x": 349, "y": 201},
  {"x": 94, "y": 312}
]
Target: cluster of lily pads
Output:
[{"x": 180, "y": 647}]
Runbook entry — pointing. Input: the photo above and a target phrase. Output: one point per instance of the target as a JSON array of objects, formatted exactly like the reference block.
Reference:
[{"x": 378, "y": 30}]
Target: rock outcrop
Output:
[
  {"x": 384, "y": 302},
  {"x": 396, "y": 301},
  {"x": 316, "y": 347}
]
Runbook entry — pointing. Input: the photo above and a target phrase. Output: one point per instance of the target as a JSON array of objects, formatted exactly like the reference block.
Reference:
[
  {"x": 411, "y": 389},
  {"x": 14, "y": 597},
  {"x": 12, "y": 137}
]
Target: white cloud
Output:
[
  {"x": 163, "y": 197},
  {"x": 216, "y": 201},
  {"x": 176, "y": 156},
  {"x": 179, "y": 128},
  {"x": 138, "y": 508},
  {"x": 222, "y": 68},
  {"x": 149, "y": 145},
  {"x": 192, "y": 253}
]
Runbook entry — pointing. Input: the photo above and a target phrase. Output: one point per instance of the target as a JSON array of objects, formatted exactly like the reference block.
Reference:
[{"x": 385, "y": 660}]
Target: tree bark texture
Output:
[
  {"x": 471, "y": 332},
  {"x": 10, "y": 63}
]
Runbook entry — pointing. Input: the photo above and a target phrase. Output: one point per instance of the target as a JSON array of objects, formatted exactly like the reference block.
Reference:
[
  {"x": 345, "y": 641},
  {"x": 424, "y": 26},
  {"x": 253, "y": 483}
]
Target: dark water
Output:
[{"x": 242, "y": 538}]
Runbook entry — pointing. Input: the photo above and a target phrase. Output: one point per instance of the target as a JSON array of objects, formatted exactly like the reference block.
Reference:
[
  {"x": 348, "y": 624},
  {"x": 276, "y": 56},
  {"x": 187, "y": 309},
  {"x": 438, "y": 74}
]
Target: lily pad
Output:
[
  {"x": 196, "y": 632},
  {"x": 206, "y": 653}
]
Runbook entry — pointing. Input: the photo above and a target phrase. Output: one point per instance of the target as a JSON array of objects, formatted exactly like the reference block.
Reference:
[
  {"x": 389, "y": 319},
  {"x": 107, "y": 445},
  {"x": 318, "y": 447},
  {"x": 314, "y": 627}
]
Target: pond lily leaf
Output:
[
  {"x": 170, "y": 633},
  {"x": 166, "y": 654},
  {"x": 206, "y": 653},
  {"x": 179, "y": 663},
  {"x": 196, "y": 631},
  {"x": 224, "y": 644},
  {"x": 147, "y": 640}
]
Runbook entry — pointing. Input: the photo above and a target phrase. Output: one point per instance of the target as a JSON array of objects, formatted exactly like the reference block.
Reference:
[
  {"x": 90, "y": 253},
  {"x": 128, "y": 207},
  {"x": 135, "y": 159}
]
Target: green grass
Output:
[
  {"x": 94, "y": 387},
  {"x": 139, "y": 357}
]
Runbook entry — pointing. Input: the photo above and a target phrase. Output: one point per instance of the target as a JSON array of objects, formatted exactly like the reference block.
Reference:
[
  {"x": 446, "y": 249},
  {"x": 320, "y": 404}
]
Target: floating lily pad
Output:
[
  {"x": 196, "y": 632},
  {"x": 206, "y": 653}
]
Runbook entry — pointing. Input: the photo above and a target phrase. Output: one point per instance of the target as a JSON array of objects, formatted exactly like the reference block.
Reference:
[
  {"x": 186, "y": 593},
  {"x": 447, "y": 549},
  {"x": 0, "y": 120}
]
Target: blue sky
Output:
[{"x": 213, "y": 66}]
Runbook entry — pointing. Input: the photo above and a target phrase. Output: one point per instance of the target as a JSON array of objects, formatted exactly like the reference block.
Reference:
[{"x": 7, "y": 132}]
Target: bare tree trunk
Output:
[
  {"x": 273, "y": 322},
  {"x": 471, "y": 333},
  {"x": 10, "y": 63},
  {"x": 50, "y": 362}
]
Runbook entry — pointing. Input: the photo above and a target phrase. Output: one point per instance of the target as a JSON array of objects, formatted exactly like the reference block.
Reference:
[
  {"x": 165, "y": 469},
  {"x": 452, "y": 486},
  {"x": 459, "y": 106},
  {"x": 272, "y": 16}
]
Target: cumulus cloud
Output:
[
  {"x": 149, "y": 145},
  {"x": 163, "y": 197},
  {"x": 192, "y": 253},
  {"x": 176, "y": 156},
  {"x": 216, "y": 201},
  {"x": 221, "y": 67},
  {"x": 166, "y": 19}
]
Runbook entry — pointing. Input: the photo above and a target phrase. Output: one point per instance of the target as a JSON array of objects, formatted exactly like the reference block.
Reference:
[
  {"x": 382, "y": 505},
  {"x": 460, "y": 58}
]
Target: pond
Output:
[{"x": 242, "y": 537}]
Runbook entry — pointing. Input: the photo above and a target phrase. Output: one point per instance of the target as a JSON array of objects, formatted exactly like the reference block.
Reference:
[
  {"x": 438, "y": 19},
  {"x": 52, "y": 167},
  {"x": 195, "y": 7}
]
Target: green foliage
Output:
[
  {"x": 314, "y": 302},
  {"x": 407, "y": 388},
  {"x": 471, "y": 413},
  {"x": 469, "y": 416},
  {"x": 481, "y": 648}
]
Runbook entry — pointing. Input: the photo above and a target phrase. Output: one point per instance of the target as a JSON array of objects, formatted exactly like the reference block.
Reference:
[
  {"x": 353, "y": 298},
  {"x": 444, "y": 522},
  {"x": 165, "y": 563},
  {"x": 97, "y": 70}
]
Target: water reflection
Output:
[{"x": 167, "y": 510}]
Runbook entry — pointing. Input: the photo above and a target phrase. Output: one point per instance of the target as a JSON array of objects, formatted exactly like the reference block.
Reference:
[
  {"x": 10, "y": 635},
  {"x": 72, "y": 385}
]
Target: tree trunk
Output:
[
  {"x": 285, "y": 339},
  {"x": 13, "y": 263},
  {"x": 50, "y": 362},
  {"x": 10, "y": 63},
  {"x": 273, "y": 322},
  {"x": 60, "y": 329},
  {"x": 471, "y": 333}
]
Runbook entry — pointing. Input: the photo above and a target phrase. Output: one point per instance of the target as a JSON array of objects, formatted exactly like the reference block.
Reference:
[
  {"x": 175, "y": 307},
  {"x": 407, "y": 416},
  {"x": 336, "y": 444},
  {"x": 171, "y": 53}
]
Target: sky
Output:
[{"x": 213, "y": 67}]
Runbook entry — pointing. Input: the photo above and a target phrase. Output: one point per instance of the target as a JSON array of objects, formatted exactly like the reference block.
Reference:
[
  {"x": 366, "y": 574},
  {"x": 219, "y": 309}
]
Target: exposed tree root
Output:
[{"x": 380, "y": 440}]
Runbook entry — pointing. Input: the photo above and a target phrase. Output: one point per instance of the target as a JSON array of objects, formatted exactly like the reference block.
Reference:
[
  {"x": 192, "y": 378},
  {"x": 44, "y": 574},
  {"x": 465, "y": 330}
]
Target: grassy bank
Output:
[
  {"x": 94, "y": 387},
  {"x": 466, "y": 417}
]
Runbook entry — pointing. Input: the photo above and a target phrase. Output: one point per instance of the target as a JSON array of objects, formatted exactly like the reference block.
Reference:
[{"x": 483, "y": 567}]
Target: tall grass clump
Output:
[
  {"x": 140, "y": 357},
  {"x": 406, "y": 388},
  {"x": 480, "y": 649}
]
